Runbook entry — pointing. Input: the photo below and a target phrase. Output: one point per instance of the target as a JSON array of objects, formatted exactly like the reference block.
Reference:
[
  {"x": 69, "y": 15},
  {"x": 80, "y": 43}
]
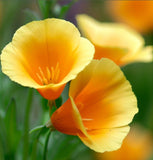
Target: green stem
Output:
[
  {"x": 26, "y": 125},
  {"x": 46, "y": 145},
  {"x": 51, "y": 103},
  {"x": 34, "y": 148}
]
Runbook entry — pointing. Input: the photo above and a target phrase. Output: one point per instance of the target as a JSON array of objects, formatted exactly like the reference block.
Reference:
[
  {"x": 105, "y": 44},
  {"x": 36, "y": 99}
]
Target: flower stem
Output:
[
  {"x": 51, "y": 103},
  {"x": 34, "y": 148},
  {"x": 46, "y": 145},
  {"x": 26, "y": 125}
]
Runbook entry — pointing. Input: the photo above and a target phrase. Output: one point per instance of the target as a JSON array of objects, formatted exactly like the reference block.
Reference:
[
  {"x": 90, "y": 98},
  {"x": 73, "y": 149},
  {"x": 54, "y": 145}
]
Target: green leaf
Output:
[
  {"x": 41, "y": 132},
  {"x": 10, "y": 117},
  {"x": 13, "y": 134},
  {"x": 37, "y": 128},
  {"x": 26, "y": 124}
]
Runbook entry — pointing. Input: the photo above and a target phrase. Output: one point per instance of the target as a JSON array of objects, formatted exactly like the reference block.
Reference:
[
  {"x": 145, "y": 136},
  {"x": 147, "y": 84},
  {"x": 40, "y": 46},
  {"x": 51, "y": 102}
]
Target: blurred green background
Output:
[{"x": 22, "y": 109}]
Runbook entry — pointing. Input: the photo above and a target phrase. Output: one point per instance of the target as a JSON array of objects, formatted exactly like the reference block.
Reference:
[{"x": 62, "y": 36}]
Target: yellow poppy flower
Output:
[
  {"x": 138, "y": 14},
  {"x": 45, "y": 55},
  {"x": 138, "y": 145},
  {"x": 101, "y": 104},
  {"x": 114, "y": 41}
]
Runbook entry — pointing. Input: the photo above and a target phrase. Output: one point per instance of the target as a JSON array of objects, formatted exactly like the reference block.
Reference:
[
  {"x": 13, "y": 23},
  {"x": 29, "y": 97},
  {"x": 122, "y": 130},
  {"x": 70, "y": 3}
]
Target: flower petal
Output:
[
  {"x": 83, "y": 56},
  {"x": 137, "y": 145},
  {"x": 143, "y": 55},
  {"x": 15, "y": 67},
  {"x": 109, "y": 34},
  {"x": 115, "y": 41},
  {"x": 67, "y": 119},
  {"x": 115, "y": 54},
  {"x": 137, "y": 14},
  {"x": 105, "y": 139},
  {"x": 103, "y": 96},
  {"x": 51, "y": 91}
]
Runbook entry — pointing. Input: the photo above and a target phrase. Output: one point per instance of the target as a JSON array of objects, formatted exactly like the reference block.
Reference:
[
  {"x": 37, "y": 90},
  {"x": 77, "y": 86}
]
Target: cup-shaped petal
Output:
[
  {"x": 138, "y": 145},
  {"x": 100, "y": 107},
  {"x": 45, "y": 55},
  {"x": 115, "y": 41}
]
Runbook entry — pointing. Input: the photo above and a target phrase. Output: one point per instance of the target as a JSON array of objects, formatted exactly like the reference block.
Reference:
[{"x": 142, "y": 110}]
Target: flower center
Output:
[{"x": 48, "y": 75}]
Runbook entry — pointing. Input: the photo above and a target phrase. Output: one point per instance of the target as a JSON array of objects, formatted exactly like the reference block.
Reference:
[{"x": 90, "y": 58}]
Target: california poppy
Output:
[
  {"x": 101, "y": 104},
  {"x": 137, "y": 14},
  {"x": 45, "y": 55},
  {"x": 115, "y": 41}
]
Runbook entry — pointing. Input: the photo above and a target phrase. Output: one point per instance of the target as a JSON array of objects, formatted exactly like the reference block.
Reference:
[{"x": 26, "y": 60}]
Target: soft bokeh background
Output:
[{"x": 18, "y": 116}]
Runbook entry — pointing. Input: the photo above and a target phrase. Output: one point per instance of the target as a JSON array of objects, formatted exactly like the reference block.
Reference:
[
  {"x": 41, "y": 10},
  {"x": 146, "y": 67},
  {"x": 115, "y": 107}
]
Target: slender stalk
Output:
[
  {"x": 26, "y": 125},
  {"x": 46, "y": 145},
  {"x": 51, "y": 103},
  {"x": 34, "y": 148}
]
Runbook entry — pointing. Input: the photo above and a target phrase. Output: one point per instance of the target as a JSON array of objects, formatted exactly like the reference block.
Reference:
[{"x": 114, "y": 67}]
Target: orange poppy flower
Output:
[
  {"x": 114, "y": 41},
  {"x": 138, "y": 14},
  {"x": 45, "y": 55},
  {"x": 138, "y": 145},
  {"x": 101, "y": 104}
]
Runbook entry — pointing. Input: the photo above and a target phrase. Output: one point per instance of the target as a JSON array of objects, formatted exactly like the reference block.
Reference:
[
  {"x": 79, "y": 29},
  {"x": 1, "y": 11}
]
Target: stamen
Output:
[
  {"x": 51, "y": 75},
  {"x": 44, "y": 80},
  {"x": 48, "y": 73},
  {"x": 52, "y": 71},
  {"x": 39, "y": 78}
]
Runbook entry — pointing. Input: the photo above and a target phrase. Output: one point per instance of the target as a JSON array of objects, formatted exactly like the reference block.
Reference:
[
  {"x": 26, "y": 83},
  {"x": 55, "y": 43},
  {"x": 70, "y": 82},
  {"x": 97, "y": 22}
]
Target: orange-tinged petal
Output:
[
  {"x": 67, "y": 119},
  {"x": 107, "y": 90},
  {"x": 115, "y": 41},
  {"x": 115, "y": 54},
  {"x": 14, "y": 66},
  {"x": 101, "y": 105},
  {"x": 47, "y": 57},
  {"x": 105, "y": 139},
  {"x": 64, "y": 119},
  {"x": 109, "y": 34},
  {"x": 143, "y": 55},
  {"x": 51, "y": 91},
  {"x": 137, "y": 145},
  {"x": 137, "y": 14},
  {"x": 84, "y": 54}
]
